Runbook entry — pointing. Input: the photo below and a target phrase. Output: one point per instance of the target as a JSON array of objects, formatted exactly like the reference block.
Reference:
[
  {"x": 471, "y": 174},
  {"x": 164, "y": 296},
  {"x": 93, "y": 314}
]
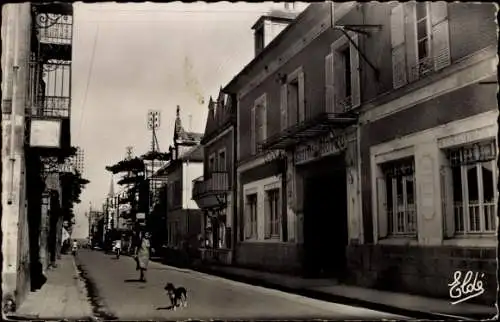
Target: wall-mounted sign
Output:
[
  {"x": 320, "y": 147},
  {"x": 141, "y": 215},
  {"x": 45, "y": 133}
]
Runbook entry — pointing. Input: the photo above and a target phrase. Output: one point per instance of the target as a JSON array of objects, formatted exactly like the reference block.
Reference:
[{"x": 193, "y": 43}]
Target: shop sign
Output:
[
  {"x": 45, "y": 133},
  {"x": 320, "y": 147}
]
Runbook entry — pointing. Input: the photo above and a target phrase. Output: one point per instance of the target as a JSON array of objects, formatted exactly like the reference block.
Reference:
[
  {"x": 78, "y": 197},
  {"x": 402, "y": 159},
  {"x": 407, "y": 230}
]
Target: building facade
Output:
[
  {"x": 36, "y": 99},
  {"x": 427, "y": 148},
  {"x": 183, "y": 214},
  {"x": 389, "y": 164},
  {"x": 213, "y": 191}
]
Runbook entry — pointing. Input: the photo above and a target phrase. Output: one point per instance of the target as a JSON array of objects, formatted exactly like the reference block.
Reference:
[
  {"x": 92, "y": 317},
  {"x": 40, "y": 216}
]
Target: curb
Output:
[{"x": 340, "y": 299}]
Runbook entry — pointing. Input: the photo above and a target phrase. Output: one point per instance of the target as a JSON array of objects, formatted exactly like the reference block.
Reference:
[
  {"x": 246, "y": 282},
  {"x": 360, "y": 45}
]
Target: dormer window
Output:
[{"x": 259, "y": 39}]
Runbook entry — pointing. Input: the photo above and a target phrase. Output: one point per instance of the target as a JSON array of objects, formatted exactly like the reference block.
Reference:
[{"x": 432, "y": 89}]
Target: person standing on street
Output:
[{"x": 142, "y": 254}]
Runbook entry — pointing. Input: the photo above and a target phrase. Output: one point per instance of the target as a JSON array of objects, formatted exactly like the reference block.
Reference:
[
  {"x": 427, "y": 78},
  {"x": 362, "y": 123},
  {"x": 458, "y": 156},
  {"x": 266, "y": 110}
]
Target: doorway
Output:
[{"x": 325, "y": 223}]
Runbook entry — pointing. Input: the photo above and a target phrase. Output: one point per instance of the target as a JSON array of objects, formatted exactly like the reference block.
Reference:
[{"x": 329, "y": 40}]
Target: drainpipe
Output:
[{"x": 14, "y": 108}]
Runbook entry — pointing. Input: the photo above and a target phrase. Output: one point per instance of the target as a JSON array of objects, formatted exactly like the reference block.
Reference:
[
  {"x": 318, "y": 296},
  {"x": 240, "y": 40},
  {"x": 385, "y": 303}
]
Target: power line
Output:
[{"x": 91, "y": 68}]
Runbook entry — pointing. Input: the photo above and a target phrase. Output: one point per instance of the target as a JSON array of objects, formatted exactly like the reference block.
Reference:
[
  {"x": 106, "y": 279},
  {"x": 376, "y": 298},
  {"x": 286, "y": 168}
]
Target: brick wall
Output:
[
  {"x": 421, "y": 270},
  {"x": 272, "y": 257}
]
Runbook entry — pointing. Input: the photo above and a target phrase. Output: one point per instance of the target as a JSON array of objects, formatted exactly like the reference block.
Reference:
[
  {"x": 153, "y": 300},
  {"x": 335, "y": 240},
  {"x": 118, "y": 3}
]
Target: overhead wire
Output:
[{"x": 91, "y": 68}]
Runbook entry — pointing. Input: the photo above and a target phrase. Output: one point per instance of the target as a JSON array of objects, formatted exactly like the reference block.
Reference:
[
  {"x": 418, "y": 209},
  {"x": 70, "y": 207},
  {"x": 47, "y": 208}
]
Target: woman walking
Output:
[{"x": 142, "y": 255}]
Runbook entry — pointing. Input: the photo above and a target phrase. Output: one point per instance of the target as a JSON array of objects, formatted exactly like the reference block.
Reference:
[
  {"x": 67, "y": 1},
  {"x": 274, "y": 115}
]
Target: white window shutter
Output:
[
  {"x": 398, "y": 46},
  {"x": 338, "y": 79},
  {"x": 440, "y": 34},
  {"x": 329, "y": 90},
  {"x": 267, "y": 217},
  {"x": 447, "y": 201},
  {"x": 246, "y": 215},
  {"x": 302, "y": 98},
  {"x": 264, "y": 117},
  {"x": 382, "y": 217},
  {"x": 355, "y": 73},
  {"x": 252, "y": 131},
  {"x": 284, "y": 107},
  {"x": 410, "y": 28}
]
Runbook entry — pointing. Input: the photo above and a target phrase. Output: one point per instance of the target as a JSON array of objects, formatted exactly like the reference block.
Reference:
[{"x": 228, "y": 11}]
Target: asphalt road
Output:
[{"x": 209, "y": 297}]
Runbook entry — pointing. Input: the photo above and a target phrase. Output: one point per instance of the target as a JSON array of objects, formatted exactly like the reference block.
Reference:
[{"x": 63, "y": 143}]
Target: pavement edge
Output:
[{"x": 338, "y": 298}]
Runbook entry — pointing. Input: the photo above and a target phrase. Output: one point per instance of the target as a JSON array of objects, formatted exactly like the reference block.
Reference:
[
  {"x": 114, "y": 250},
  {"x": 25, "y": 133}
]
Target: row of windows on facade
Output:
[
  {"x": 468, "y": 182},
  {"x": 419, "y": 45},
  {"x": 469, "y": 201}
]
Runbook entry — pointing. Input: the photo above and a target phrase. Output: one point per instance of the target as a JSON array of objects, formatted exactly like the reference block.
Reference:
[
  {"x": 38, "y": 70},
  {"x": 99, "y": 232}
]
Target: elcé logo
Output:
[{"x": 466, "y": 288}]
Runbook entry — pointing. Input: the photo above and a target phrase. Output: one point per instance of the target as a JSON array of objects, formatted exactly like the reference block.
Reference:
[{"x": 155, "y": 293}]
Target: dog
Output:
[{"x": 177, "y": 295}]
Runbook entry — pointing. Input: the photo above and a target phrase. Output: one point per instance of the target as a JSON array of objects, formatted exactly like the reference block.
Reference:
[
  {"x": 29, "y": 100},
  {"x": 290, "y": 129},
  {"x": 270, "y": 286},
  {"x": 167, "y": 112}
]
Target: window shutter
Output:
[
  {"x": 284, "y": 107},
  {"x": 410, "y": 28},
  {"x": 302, "y": 98},
  {"x": 398, "y": 46},
  {"x": 247, "y": 224},
  {"x": 355, "y": 73},
  {"x": 267, "y": 216},
  {"x": 447, "y": 201},
  {"x": 329, "y": 90},
  {"x": 263, "y": 110},
  {"x": 382, "y": 208},
  {"x": 440, "y": 34},
  {"x": 252, "y": 131},
  {"x": 338, "y": 79}
]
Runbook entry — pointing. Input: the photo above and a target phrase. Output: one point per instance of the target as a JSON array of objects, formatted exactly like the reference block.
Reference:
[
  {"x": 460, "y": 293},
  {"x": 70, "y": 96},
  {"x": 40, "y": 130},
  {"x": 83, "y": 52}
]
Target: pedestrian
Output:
[{"x": 142, "y": 253}]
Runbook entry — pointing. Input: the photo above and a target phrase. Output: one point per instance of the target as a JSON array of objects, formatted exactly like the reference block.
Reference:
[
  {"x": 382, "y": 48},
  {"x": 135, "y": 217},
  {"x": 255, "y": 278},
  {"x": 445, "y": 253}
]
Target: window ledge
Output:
[
  {"x": 472, "y": 241},
  {"x": 402, "y": 241},
  {"x": 265, "y": 241}
]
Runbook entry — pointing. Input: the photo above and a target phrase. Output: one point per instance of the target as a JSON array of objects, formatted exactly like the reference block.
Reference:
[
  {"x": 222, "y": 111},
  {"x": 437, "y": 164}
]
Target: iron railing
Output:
[{"x": 217, "y": 183}]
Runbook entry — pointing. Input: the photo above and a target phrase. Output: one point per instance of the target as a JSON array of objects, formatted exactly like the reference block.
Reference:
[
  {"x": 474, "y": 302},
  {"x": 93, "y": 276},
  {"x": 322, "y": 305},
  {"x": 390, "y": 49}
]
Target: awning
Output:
[{"x": 296, "y": 134}]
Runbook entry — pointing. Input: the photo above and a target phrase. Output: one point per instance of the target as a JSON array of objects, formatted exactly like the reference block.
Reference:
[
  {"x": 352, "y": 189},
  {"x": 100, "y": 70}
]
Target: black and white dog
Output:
[{"x": 177, "y": 295}]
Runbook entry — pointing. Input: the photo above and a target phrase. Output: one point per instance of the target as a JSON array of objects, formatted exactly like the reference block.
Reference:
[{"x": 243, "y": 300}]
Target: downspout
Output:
[
  {"x": 235, "y": 197},
  {"x": 14, "y": 107}
]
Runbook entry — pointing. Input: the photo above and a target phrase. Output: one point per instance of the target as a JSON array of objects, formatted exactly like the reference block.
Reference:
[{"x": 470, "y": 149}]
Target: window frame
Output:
[
  {"x": 222, "y": 167},
  {"x": 345, "y": 104},
  {"x": 464, "y": 215},
  {"x": 296, "y": 77},
  {"x": 252, "y": 234},
  {"x": 211, "y": 162},
  {"x": 258, "y": 131},
  {"x": 274, "y": 223}
]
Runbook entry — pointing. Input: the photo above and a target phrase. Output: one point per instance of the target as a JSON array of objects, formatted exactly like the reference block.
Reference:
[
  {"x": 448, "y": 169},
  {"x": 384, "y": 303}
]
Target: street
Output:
[{"x": 209, "y": 297}]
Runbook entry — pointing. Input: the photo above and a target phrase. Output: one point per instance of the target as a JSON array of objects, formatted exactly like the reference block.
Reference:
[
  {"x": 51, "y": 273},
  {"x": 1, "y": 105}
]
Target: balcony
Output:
[
  {"x": 50, "y": 77},
  {"x": 321, "y": 124},
  {"x": 211, "y": 192}
]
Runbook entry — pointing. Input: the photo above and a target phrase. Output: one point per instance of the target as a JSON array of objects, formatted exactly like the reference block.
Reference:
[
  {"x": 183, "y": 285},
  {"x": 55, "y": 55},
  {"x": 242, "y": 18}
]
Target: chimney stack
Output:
[{"x": 270, "y": 25}]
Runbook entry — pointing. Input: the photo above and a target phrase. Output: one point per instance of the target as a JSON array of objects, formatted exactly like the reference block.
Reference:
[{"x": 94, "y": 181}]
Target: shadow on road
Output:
[
  {"x": 165, "y": 308},
  {"x": 133, "y": 280}
]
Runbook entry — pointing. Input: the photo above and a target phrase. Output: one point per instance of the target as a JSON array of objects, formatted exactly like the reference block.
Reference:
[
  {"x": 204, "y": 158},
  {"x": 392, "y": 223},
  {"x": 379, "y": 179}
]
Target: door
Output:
[{"x": 325, "y": 225}]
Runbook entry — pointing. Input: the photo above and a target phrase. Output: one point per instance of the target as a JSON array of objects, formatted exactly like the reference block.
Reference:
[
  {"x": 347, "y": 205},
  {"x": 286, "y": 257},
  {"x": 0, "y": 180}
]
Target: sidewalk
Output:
[
  {"x": 63, "y": 296},
  {"x": 329, "y": 290}
]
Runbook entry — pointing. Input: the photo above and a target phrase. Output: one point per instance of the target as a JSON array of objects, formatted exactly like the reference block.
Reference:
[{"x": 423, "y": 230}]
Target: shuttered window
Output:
[
  {"x": 251, "y": 216},
  {"x": 329, "y": 84},
  {"x": 419, "y": 40},
  {"x": 346, "y": 76},
  {"x": 398, "y": 46},
  {"x": 440, "y": 34},
  {"x": 259, "y": 123},
  {"x": 284, "y": 107},
  {"x": 253, "y": 145}
]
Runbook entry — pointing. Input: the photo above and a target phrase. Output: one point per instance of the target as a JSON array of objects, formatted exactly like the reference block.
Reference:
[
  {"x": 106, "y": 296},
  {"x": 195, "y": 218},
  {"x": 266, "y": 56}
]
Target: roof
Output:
[
  {"x": 194, "y": 154},
  {"x": 220, "y": 115},
  {"x": 230, "y": 87}
]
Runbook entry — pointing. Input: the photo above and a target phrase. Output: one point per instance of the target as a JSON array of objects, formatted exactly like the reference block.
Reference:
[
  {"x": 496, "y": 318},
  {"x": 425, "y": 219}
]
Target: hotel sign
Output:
[{"x": 320, "y": 147}]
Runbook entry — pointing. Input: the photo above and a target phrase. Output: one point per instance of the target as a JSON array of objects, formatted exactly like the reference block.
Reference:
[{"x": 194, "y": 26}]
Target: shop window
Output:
[
  {"x": 272, "y": 214},
  {"x": 468, "y": 183},
  {"x": 396, "y": 194},
  {"x": 251, "y": 216}
]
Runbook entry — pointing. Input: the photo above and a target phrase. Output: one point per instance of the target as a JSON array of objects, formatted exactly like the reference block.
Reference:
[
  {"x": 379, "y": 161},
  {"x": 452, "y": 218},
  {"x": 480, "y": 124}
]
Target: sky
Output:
[{"x": 132, "y": 58}]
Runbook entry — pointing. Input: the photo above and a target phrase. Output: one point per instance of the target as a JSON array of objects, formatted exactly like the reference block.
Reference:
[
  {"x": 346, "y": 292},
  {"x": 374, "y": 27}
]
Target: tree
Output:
[{"x": 72, "y": 185}]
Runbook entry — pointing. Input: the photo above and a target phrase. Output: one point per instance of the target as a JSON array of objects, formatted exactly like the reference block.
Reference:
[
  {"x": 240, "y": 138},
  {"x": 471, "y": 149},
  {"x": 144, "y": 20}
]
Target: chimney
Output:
[{"x": 271, "y": 24}]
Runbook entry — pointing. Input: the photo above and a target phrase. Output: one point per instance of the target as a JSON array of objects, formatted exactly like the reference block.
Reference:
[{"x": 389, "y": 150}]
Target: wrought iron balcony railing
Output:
[
  {"x": 422, "y": 68},
  {"x": 343, "y": 105},
  {"x": 217, "y": 183},
  {"x": 54, "y": 28}
]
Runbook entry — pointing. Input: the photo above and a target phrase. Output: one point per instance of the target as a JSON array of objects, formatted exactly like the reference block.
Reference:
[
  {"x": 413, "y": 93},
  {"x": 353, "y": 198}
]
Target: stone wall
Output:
[
  {"x": 421, "y": 270},
  {"x": 272, "y": 257}
]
